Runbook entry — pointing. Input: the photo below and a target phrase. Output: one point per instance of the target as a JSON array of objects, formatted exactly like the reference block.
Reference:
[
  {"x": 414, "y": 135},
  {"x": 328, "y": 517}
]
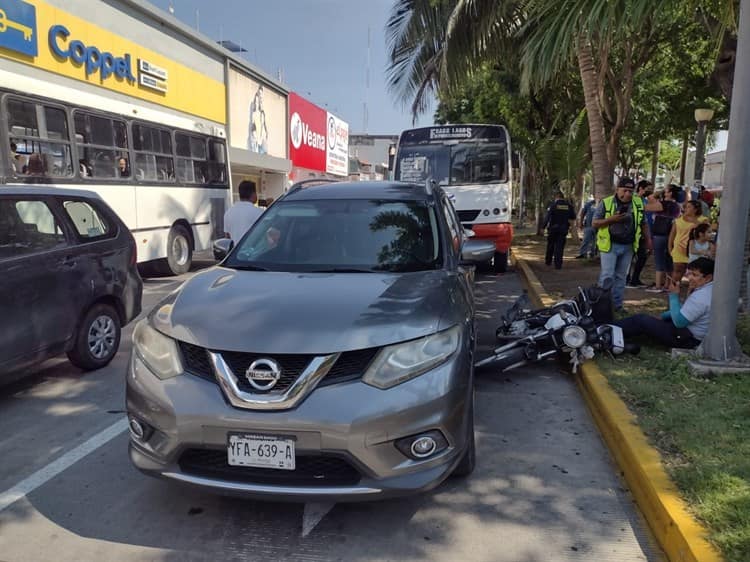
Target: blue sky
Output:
[{"x": 320, "y": 47}]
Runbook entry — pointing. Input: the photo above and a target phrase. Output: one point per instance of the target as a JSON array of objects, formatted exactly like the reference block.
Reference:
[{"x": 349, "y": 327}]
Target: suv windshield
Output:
[
  {"x": 455, "y": 164},
  {"x": 334, "y": 235}
]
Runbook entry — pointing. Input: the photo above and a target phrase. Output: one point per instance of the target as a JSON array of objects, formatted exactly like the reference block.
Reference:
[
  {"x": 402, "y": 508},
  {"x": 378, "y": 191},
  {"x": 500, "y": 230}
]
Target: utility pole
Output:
[
  {"x": 721, "y": 341},
  {"x": 365, "y": 110}
]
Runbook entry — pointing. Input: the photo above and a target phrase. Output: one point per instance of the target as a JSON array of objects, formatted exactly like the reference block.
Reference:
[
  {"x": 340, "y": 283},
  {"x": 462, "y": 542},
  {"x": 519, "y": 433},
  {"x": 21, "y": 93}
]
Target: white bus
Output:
[
  {"x": 471, "y": 162},
  {"x": 167, "y": 178}
]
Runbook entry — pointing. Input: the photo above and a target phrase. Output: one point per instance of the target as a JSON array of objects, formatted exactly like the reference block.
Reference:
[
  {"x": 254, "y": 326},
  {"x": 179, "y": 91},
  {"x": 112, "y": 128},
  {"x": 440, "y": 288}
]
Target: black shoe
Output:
[{"x": 580, "y": 256}]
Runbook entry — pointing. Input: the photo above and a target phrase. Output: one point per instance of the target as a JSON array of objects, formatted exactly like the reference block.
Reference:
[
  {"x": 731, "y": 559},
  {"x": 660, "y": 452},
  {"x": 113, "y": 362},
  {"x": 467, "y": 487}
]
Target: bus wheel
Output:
[
  {"x": 179, "y": 251},
  {"x": 500, "y": 262}
]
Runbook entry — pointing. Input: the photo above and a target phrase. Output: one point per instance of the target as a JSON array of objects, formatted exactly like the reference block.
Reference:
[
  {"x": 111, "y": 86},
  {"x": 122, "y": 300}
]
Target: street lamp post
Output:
[{"x": 702, "y": 116}]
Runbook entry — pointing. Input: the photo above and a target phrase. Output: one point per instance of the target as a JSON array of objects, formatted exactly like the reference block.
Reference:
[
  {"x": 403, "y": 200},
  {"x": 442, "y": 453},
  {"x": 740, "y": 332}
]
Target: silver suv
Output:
[{"x": 328, "y": 356}]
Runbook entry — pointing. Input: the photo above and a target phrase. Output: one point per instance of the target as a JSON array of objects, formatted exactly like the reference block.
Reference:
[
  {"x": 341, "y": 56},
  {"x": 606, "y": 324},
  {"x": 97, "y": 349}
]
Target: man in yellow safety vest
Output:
[{"x": 620, "y": 221}]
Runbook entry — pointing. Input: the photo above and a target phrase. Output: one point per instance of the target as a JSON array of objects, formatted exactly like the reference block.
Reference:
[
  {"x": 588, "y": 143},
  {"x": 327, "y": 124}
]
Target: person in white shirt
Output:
[
  {"x": 682, "y": 326},
  {"x": 243, "y": 214}
]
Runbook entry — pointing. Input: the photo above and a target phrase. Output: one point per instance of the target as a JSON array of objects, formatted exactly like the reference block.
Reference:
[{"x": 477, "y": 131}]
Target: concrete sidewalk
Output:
[{"x": 678, "y": 533}]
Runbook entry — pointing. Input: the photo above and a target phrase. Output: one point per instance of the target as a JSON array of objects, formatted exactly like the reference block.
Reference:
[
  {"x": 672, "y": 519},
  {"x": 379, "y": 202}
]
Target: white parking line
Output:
[{"x": 44, "y": 475}]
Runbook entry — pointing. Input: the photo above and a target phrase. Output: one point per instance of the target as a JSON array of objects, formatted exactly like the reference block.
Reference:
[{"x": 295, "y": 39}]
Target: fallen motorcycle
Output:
[{"x": 570, "y": 327}]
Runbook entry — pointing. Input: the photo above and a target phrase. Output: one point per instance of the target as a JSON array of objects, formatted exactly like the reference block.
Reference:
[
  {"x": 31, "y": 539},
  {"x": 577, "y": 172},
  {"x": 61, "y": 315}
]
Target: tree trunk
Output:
[
  {"x": 600, "y": 162},
  {"x": 683, "y": 160},
  {"x": 655, "y": 163}
]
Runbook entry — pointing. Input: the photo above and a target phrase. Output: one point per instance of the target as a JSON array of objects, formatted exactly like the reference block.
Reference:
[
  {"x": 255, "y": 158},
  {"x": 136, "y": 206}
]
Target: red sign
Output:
[{"x": 307, "y": 134}]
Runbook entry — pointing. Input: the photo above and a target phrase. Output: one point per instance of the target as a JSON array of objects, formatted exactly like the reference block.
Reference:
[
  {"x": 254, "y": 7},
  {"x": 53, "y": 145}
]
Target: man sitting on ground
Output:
[{"x": 681, "y": 326}]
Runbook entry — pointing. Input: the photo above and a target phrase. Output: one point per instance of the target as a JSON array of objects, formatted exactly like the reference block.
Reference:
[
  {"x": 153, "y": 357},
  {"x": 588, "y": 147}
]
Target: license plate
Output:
[{"x": 263, "y": 451}]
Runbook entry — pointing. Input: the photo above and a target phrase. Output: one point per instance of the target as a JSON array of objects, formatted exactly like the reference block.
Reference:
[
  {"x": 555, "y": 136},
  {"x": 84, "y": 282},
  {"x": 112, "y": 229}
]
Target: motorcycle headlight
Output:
[
  {"x": 156, "y": 350},
  {"x": 574, "y": 336},
  {"x": 400, "y": 362}
]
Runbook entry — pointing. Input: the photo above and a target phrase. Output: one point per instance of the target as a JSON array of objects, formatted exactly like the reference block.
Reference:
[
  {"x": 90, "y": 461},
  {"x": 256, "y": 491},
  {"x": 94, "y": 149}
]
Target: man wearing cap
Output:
[
  {"x": 560, "y": 217},
  {"x": 620, "y": 221}
]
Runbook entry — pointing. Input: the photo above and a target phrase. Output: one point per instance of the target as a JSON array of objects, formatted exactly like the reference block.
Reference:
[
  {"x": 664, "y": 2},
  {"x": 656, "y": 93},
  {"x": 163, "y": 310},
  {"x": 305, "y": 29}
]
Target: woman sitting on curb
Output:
[{"x": 682, "y": 326}]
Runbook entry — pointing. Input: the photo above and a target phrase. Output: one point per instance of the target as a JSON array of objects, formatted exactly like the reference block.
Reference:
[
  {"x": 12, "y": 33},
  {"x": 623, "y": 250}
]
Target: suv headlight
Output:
[
  {"x": 401, "y": 362},
  {"x": 156, "y": 350}
]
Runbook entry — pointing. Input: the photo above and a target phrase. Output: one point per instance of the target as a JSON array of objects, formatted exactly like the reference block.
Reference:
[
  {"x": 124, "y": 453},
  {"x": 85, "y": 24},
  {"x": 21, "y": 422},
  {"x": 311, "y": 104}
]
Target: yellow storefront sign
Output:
[{"x": 35, "y": 33}]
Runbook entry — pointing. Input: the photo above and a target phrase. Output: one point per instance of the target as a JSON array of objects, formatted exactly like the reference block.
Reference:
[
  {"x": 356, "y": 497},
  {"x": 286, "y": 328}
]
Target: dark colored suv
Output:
[{"x": 68, "y": 277}]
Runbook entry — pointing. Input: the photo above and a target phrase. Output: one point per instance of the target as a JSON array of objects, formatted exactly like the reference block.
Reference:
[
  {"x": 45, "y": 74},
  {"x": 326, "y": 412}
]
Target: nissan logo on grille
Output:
[{"x": 263, "y": 374}]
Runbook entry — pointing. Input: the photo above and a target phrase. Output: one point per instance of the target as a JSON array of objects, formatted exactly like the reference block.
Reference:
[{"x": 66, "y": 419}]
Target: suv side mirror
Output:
[
  {"x": 477, "y": 251},
  {"x": 222, "y": 247}
]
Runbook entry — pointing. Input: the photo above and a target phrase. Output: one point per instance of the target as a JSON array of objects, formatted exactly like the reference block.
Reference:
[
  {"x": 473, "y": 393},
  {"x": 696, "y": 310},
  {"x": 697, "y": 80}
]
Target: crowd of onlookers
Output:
[{"x": 678, "y": 228}]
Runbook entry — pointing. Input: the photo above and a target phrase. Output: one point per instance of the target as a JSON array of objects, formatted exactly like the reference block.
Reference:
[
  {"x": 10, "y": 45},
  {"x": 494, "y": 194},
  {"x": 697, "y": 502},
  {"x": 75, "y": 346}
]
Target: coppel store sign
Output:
[
  {"x": 19, "y": 30},
  {"x": 93, "y": 59},
  {"x": 97, "y": 61}
]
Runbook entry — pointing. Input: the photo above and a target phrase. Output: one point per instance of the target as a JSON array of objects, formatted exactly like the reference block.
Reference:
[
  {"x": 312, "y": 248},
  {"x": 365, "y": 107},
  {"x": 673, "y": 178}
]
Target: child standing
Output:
[{"x": 700, "y": 243}]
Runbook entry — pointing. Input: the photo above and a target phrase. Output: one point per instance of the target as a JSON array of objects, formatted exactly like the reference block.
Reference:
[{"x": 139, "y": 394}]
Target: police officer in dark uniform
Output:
[{"x": 560, "y": 216}]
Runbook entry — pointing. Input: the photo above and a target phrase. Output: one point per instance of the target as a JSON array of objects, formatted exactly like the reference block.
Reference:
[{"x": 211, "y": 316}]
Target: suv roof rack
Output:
[{"x": 301, "y": 184}]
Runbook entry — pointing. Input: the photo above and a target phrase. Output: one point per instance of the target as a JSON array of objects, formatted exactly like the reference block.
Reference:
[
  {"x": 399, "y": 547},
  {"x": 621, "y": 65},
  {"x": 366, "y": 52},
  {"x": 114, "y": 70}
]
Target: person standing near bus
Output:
[
  {"x": 244, "y": 213},
  {"x": 560, "y": 217}
]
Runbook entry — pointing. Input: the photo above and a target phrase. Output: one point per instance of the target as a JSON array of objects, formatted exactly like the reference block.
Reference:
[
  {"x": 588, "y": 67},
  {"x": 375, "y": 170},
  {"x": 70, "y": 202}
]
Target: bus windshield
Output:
[{"x": 456, "y": 163}]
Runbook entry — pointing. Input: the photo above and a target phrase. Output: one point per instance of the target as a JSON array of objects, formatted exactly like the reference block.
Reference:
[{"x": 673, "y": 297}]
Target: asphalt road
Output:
[{"x": 544, "y": 489}]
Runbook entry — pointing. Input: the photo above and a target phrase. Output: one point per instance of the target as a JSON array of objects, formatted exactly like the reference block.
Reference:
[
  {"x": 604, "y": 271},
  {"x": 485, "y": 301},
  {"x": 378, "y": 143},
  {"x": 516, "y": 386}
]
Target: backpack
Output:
[
  {"x": 602, "y": 305},
  {"x": 662, "y": 225}
]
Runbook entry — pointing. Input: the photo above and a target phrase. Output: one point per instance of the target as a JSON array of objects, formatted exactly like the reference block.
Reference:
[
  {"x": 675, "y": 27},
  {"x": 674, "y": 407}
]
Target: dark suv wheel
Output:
[{"x": 97, "y": 339}]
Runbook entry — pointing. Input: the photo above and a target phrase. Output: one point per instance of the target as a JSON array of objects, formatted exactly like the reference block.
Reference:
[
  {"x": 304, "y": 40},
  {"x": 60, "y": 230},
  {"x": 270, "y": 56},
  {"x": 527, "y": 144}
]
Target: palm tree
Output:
[
  {"x": 415, "y": 34},
  {"x": 435, "y": 44}
]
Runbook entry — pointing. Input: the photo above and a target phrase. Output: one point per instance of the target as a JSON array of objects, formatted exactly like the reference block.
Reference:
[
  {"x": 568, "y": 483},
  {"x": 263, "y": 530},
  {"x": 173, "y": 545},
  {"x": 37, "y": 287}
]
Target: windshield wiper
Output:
[
  {"x": 247, "y": 267},
  {"x": 342, "y": 270}
]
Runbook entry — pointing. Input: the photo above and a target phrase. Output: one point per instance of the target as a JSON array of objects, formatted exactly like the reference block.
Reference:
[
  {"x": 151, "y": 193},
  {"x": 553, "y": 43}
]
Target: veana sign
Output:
[
  {"x": 318, "y": 140},
  {"x": 337, "y": 146},
  {"x": 307, "y": 134}
]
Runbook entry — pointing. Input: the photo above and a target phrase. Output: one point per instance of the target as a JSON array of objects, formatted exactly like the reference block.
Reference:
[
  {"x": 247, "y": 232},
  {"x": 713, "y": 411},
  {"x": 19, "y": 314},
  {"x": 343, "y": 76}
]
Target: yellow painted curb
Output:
[{"x": 679, "y": 534}]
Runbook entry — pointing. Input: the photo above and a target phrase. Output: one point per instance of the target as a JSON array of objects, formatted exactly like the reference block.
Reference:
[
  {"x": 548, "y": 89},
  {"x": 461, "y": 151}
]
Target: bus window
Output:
[
  {"x": 217, "y": 163},
  {"x": 98, "y": 139},
  {"x": 200, "y": 162},
  {"x": 40, "y": 135},
  {"x": 153, "y": 158}
]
